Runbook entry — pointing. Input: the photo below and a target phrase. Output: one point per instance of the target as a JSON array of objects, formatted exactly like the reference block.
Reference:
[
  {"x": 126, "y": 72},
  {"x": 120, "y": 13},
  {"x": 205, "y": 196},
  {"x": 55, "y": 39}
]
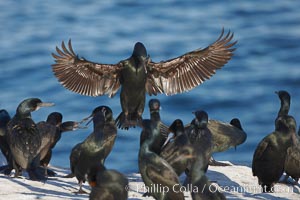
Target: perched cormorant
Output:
[
  {"x": 50, "y": 131},
  {"x": 270, "y": 154},
  {"x": 138, "y": 75},
  {"x": 172, "y": 152},
  {"x": 200, "y": 136},
  {"x": 4, "y": 119},
  {"x": 292, "y": 160},
  {"x": 24, "y": 138},
  {"x": 155, "y": 171},
  {"x": 226, "y": 135},
  {"x": 107, "y": 184},
  {"x": 95, "y": 148},
  {"x": 204, "y": 189},
  {"x": 154, "y": 107}
]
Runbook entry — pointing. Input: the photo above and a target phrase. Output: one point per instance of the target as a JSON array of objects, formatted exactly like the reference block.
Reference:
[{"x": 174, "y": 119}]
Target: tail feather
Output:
[{"x": 130, "y": 122}]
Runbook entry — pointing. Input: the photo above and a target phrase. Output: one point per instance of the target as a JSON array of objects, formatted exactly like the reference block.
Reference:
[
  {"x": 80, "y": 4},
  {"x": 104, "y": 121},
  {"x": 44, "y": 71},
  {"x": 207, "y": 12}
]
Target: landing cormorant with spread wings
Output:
[{"x": 138, "y": 75}]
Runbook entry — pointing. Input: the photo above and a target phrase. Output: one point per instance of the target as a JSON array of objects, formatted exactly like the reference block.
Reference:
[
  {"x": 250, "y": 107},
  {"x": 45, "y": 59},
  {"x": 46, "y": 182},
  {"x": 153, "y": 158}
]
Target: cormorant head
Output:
[
  {"x": 139, "y": 50},
  {"x": 32, "y": 104},
  {"x": 283, "y": 95},
  {"x": 55, "y": 118},
  {"x": 100, "y": 112},
  {"x": 177, "y": 125},
  {"x": 154, "y": 105},
  {"x": 140, "y": 56},
  {"x": 175, "y": 129},
  {"x": 4, "y": 118},
  {"x": 201, "y": 119},
  {"x": 236, "y": 123}
]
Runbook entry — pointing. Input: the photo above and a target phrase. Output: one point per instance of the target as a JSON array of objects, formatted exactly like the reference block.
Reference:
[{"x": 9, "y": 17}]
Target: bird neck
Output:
[
  {"x": 98, "y": 132},
  {"x": 23, "y": 111},
  {"x": 284, "y": 108},
  {"x": 149, "y": 142},
  {"x": 155, "y": 115},
  {"x": 22, "y": 114},
  {"x": 197, "y": 172}
]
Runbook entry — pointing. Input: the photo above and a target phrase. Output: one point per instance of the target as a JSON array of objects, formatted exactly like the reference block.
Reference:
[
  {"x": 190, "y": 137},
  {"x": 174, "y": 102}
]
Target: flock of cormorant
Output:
[{"x": 165, "y": 151}]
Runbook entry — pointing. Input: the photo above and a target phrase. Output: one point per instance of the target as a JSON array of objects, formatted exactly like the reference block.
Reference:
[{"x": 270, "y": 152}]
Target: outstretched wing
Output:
[
  {"x": 84, "y": 77},
  {"x": 191, "y": 69}
]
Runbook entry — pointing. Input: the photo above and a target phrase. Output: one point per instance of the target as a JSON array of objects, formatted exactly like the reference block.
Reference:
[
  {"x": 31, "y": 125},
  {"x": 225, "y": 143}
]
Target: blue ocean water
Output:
[{"x": 266, "y": 60}]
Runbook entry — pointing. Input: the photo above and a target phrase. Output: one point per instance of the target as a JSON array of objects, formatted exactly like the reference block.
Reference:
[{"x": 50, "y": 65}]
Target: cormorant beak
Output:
[
  {"x": 276, "y": 92},
  {"x": 169, "y": 138},
  {"x": 89, "y": 119},
  {"x": 44, "y": 104},
  {"x": 77, "y": 126}
]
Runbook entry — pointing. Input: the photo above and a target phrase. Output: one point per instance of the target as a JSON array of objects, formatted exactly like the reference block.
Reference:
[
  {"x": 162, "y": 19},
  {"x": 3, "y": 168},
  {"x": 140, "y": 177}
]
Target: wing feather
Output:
[
  {"x": 85, "y": 77},
  {"x": 191, "y": 69}
]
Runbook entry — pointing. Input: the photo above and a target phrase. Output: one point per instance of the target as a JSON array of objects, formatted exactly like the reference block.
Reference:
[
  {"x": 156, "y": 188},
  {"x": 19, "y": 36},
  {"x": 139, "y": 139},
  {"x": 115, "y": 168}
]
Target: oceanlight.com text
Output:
[{"x": 159, "y": 188}]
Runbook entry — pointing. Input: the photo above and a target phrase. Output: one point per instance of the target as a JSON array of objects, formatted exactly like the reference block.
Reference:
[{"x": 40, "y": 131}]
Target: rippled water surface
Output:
[{"x": 267, "y": 59}]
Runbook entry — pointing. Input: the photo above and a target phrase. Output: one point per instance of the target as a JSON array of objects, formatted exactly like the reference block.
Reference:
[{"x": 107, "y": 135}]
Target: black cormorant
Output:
[
  {"x": 202, "y": 188},
  {"x": 226, "y": 135},
  {"x": 292, "y": 161},
  {"x": 4, "y": 146},
  {"x": 200, "y": 136},
  {"x": 4, "y": 119},
  {"x": 107, "y": 184},
  {"x": 173, "y": 151},
  {"x": 162, "y": 129},
  {"x": 270, "y": 154},
  {"x": 24, "y": 138},
  {"x": 95, "y": 148},
  {"x": 138, "y": 75},
  {"x": 157, "y": 174},
  {"x": 50, "y": 131}
]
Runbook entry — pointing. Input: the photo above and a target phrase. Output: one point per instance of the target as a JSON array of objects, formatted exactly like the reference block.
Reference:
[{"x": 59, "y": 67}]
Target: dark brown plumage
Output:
[
  {"x": 107, "y": 184},
  {"x": 4, "y": 119},
  {"x": 178, "y": 153},
  {"x": 50, "y": 132},
  {"x": 86, "y": 156},
  {"x": 156, "y": 171},
  {"x": 138, "y": 74},
  {"x": 270, "y": 154},
  {"x": 24, "y": 139},
  {"x": 292, "y": 160},
  {"x": 200, "y": 136},
  {"x": 226, "y": 135},
  {"x": 161, "y": 128}
]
